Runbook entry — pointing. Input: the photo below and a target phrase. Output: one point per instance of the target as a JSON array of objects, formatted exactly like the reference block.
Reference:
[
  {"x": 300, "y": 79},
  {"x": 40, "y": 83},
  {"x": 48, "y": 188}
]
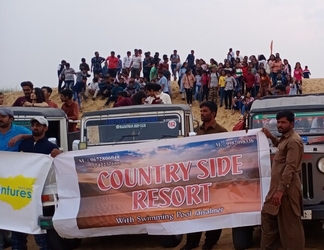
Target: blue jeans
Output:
[
  {"x": 274, "y": 78},
  {"x": 19, "y": 241},
  {"x": 181, "y": 86},
  {"x": 198, "y": 93},
  {"x": 222, "y": 95},
  {"x": 77, "y": 97},
  {"x": 68, "y": 84},
  {"x": 238, "y": 105}
]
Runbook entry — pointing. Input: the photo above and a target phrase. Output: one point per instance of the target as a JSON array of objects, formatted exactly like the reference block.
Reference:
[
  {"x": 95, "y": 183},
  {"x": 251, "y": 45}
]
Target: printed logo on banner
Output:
[{"x": 17, "y": 191}]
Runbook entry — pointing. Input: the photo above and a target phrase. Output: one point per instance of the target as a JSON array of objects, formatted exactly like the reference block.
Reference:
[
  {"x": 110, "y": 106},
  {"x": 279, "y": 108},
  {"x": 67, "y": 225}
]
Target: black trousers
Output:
[
  {"x": 228, "y": 98},
  {"x": 211, "y": 237},
  {"x": 189, "y": 95},
  {"x": 112, "y": 72},
  {"x": 205, "y": 92}
]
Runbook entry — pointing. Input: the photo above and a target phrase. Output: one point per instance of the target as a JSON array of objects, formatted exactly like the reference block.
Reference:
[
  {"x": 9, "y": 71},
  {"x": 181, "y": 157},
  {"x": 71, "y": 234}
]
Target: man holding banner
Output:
[
  {"x": 208, "y": 112},
  {"x": 282, "y": 210},
  {"x": 37, "y": 143},
  {"x": 7, "y": 132}
]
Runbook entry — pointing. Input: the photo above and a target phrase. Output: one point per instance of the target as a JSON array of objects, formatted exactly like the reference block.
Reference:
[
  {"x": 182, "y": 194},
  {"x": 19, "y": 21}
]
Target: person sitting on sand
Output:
[
  {"x": 130, "y": 89},
  {"x": 247, "y": 103},
  {"x": 114, "y": 93},
  {"x": 136, "y": 99},
  {"x": 37, "y": 99},
  {"x": 93, "y": 88},
  {"x": 237, "y": 102}
]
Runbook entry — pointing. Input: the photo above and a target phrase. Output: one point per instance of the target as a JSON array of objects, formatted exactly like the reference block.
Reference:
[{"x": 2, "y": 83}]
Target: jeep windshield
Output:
[
  {"x": 131, "y": 129},
  {"x": 310, "y": 125}
]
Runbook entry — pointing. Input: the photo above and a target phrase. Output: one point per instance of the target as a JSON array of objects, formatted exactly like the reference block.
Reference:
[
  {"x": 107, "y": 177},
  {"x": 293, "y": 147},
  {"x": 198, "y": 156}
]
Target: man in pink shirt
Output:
[{"x": 112, "y": 62}]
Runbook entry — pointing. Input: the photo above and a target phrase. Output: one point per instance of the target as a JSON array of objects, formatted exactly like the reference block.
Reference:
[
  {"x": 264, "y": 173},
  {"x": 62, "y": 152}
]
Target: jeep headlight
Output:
[{"x": 320, "y": 165}]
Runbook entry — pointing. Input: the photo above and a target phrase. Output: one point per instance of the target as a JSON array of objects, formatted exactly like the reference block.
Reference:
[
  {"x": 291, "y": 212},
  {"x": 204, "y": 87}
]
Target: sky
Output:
[{"x": 37, "y": 34}]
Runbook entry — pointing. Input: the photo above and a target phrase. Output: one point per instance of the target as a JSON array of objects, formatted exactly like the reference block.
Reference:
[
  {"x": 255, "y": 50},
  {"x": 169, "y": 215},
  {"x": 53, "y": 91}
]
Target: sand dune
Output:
[{"x": 224, "y": 117}]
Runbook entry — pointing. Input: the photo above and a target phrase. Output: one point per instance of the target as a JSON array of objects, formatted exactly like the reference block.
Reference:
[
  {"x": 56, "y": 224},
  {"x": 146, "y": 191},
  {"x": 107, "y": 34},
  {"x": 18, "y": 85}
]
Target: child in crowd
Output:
[
  {"x": 293, "y": 87},
  {"x": 230, "y": 84},
  {"x": 198, "y": 86},
  {"x": 258, "y": 96},
  {"x": 247, "y": 102},
  {"x": 306, "y": 72},
  {"x": 213, "y": 86},
  {"x": 205, "y": 79},
  {"x": 279, "y": 79},
  {"x": 237, "y": 102},
  {"x": 222, "y": 87}
]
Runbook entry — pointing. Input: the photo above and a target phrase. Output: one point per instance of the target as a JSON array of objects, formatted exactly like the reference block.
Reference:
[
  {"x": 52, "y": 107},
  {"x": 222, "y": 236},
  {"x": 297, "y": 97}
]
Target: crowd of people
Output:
[
  {"x": 234, "y": 84},
  {"x": 134, "y": 80}
]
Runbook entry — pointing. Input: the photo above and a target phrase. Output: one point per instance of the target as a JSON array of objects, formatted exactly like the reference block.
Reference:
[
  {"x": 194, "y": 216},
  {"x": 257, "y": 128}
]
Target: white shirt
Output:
[
  {"x": 166, "y": 99},
  {"x": 127, "y": 61},
  {"x": 94, "y": 86},
  {"x": 137, "y": 60}
]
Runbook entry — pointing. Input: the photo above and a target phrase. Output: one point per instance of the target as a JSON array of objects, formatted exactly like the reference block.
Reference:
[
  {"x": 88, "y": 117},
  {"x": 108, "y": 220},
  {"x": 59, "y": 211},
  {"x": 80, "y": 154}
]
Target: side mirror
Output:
[
  {"x": 53, "y": 140},
  {"x": 78, "y": 145},
  {"x": 192, "y": 134},
  {"x": 75, "y": 145}
]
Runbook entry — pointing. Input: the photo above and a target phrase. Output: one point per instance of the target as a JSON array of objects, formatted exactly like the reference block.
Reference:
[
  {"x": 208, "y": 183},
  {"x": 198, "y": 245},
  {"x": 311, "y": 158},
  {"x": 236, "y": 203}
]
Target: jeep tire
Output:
[
  {"x": 169, "y": 241},
  {"x": 57, "y": 242},
  {"x": 242, "y": 237}
]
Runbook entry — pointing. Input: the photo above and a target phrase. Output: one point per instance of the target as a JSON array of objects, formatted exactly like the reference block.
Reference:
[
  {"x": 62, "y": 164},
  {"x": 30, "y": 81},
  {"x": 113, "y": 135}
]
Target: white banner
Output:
[
  {"x": 164, "y": 187},
  {"x": 22, "y": 178}
]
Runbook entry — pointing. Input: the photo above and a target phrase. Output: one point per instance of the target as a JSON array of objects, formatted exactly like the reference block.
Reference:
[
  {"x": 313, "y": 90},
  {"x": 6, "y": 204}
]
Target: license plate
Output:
[{"x": 307, "y": 215}]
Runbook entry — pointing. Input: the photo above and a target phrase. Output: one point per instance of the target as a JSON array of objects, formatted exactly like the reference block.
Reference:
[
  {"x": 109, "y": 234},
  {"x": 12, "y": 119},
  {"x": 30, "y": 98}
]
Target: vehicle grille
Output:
[{"x": 307, "y": 180}]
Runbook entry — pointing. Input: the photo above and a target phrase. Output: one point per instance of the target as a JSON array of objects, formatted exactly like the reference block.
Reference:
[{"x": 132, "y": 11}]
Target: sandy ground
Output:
[{"x": 313, "y": 231}]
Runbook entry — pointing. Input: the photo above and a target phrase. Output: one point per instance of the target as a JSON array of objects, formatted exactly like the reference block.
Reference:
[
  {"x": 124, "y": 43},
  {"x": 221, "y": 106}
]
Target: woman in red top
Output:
[
  {"x": 298, "y": 74},
  {"x": 265, "y": 83},
  {"x": 205, "y": 80}
]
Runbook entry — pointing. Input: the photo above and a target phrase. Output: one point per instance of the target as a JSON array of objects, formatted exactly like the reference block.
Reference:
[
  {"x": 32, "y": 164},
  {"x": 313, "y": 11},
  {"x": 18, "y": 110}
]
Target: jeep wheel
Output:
[
  {"x": 7, "y": 238},
  {"x": 168, "y": 241},
  {"x": 242, "y": 237},
  {"x": 57, "y": 242}
]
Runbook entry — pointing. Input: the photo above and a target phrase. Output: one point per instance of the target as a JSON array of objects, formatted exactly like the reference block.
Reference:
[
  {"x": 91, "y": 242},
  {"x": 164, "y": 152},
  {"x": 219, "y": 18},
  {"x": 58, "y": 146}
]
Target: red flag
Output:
[{"x": 271, "y": 47}]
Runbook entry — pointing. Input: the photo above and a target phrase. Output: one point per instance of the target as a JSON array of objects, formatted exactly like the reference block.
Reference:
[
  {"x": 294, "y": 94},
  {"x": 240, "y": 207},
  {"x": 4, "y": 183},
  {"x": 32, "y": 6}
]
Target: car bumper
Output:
[{"x": 313, "y": 212}]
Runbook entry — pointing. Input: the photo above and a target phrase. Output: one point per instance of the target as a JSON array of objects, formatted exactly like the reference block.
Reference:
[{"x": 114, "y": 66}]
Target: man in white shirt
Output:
[
  {"x": 239, "y": 56},
  {"x": 230, "y": 54},
  {"x": 93, "y": 88},
  {"x": 136, "y": 65},
  {"x": 127, "y": 61},
  {"x": 155, "y": 96}
]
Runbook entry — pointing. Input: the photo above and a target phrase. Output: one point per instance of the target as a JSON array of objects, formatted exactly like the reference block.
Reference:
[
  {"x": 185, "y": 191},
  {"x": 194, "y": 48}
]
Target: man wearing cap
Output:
[{"x": 37, "y": 143}]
